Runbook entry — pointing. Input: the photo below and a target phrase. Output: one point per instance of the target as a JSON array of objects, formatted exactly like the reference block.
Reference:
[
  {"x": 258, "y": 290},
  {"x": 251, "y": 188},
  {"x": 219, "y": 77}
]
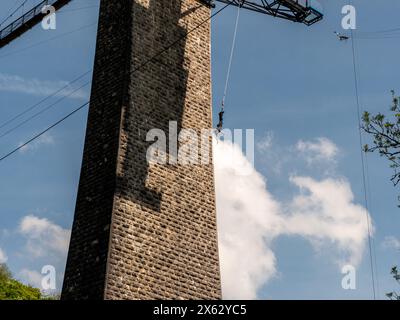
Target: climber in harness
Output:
[
  {"x": 221, "y": 121},
  {"x": 221, "y": 113}
]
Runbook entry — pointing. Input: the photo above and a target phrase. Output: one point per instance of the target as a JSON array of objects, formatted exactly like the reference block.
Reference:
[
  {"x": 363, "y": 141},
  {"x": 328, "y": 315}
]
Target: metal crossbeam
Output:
[
  {"x": 294, "y": 10},
  {"x": 27, "y": 21}
]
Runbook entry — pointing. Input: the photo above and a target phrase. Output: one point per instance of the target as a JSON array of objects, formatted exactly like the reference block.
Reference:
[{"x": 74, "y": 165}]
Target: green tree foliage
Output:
[
  {"x": 4, "y": 273},
  {"x": 396, "y": 275},
  {"x": 385, "y": 132},
  {"x": 11, "y": 289}
]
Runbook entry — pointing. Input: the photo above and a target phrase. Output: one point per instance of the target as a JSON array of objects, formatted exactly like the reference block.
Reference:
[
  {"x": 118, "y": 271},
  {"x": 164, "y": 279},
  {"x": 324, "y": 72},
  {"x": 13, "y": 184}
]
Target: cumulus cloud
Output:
[
  {"x": 13, "y": 83},
  {"x": 44, "y": 237},
  {"x": 31, "y": 277},
  {"x": 45, "y": 139},
  {"x": 3, "y": 257},
  {"x": 325, "y": 214},
  {"x": 250, "y": 218},
  {"x": 319, "y": 153},
  {"x": 248, "y": 221},
  {"x": 45, "y": 244},
  {"x": 266, "y": 142},
  {"x": 272, "y": 153},
  {"x": 320, "y": 149},
  {"x": 391, "y": 242}
]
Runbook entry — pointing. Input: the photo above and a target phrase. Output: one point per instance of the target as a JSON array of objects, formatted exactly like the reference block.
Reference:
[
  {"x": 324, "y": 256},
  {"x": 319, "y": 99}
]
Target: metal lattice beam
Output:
[
  {"x": 294, "y": 10},
  {"x": 27, "y": 21}
]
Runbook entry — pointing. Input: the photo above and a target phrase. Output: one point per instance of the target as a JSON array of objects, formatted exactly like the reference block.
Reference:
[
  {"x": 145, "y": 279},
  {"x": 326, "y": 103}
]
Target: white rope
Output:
[
  {"x": 231, "y": 57},
  {"x": 220, "y": 124}
]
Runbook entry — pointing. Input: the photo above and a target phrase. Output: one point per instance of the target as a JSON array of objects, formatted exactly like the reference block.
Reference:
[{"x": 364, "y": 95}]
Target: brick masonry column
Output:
[{"x": 144, "y": 230}]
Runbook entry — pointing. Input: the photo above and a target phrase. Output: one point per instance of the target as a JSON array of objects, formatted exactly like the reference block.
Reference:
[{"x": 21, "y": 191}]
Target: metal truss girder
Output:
[
  {"x": 292, "y": 10},
  {"x": 27, "y": 21}
]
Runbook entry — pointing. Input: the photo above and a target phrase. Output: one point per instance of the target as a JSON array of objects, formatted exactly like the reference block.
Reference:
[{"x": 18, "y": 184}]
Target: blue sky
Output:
[{"x": 289, "y": 82}]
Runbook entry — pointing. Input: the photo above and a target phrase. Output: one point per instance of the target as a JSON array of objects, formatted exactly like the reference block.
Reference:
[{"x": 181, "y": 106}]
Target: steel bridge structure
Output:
[{"x": 301, "y": 11}]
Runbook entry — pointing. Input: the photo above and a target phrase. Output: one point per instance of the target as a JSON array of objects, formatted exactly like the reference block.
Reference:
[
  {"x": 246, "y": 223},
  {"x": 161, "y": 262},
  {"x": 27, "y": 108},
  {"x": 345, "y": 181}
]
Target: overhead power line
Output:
[
  {"x": 47, "y": 40},
  {"x": 180, "y": 38},
  {"x": 42, "y": 111},
  {"x": 14, "y": 12},
  {"x": 55, "y": 93},
  {"x": 145, "y": 63},
  {"x": 371, "y": 248},
  {"x": 43, "y": 132},
  {"x": 78, "y": 9}
]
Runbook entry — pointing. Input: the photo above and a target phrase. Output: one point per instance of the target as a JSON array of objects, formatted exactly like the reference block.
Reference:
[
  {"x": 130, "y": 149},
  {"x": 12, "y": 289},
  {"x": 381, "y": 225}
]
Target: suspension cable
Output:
[
  {"x": 363, "y": 164},
  {"x": 143, "y": 65},
  {"x": 222, "y": 111},
  {"x": 22, "y": 5}
]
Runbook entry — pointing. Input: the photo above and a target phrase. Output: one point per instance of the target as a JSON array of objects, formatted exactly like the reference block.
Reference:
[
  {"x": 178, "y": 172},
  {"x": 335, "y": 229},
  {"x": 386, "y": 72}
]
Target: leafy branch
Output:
[
  {"x": 394, "y": 295},
  {"x": 385, "y": 131}
]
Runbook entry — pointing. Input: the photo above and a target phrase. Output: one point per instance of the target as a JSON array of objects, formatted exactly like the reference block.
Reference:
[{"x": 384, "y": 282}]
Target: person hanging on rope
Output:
[
  {"x": 221, "y": 121},
  {"x": 221, "y": 113}
]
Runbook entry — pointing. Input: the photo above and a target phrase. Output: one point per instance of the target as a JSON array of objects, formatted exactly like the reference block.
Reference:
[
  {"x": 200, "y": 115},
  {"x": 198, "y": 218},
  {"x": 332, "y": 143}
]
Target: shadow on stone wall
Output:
[{"x": 157, "y": 92}]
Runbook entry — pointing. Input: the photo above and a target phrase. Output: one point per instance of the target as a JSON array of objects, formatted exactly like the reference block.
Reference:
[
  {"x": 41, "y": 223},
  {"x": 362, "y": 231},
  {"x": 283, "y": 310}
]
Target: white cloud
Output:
[
  {"x": 320, "y": 153},
  {"x": 45, "y": 139},
  {"x": 249, "y": 219},
  {"x": 272, "y": 153},
  {"x": 41, "y": 281},
  {"x": 321, "y": 149},
  {"x": 324, "y": 213},
  {"x": 3, "y": 257},
  {"x": 13, "y": 83},
  {"x": 44, "y": 238},
  {"x": 31, "y": 277},
  {"x": 391, "y": 242},
  {"x": 266, "y": 142}
]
